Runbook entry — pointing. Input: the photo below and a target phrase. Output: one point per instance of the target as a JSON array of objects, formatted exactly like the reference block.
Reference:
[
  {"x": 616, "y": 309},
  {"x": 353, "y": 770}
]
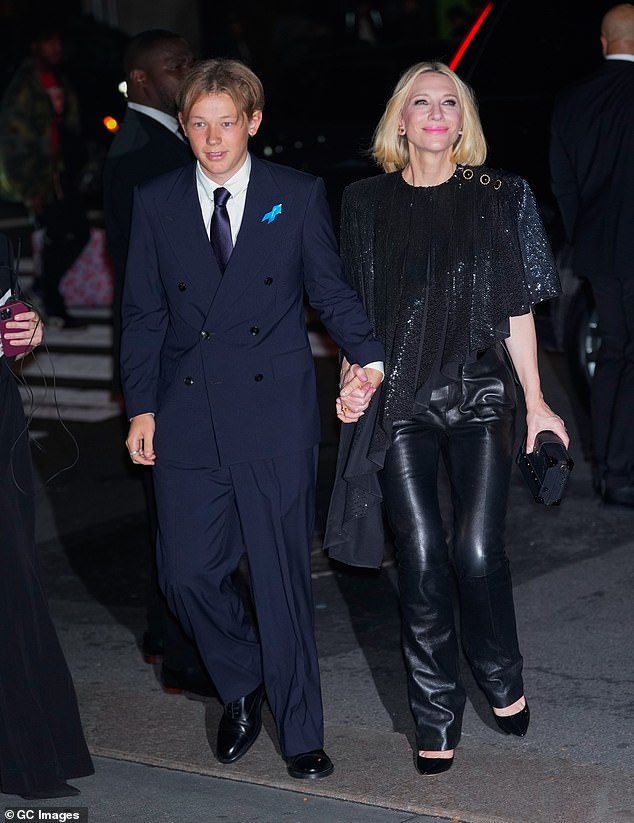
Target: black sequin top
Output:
[{"x": 440, "y": 271}]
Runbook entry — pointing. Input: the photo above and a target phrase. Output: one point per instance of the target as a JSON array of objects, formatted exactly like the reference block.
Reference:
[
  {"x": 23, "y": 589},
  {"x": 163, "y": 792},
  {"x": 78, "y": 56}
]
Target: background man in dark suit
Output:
[
  {"x": 592, "y": 163},
  {"x": 219, "y": 384},
  {"x": 150, "y": 142}
]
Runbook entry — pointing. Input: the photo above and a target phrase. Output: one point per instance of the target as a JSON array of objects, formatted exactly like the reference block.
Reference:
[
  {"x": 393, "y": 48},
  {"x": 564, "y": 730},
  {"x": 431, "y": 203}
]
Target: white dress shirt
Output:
[
  {"x": 162, "y": 117},
  {"x": 237, "y": 188}
]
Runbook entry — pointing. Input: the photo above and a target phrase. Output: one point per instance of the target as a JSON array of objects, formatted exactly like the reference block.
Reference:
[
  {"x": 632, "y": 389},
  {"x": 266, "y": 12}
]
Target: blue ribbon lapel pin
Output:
[{"x": 270, "y": 216}]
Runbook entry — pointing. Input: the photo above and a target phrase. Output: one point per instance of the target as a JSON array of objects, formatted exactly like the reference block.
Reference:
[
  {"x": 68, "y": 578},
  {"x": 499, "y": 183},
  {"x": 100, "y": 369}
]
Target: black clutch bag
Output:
[{"x": 546, "y": 469}]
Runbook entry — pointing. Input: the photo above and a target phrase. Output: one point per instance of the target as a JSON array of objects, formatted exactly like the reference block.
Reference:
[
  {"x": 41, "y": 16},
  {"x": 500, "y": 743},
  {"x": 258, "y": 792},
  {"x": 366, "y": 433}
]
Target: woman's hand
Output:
[
  {"x": 522, "y": 347},
  {"x": 24, "y": 330},
  {"x": 357, "y": 385},
  {"x": 540, "y": 417}
]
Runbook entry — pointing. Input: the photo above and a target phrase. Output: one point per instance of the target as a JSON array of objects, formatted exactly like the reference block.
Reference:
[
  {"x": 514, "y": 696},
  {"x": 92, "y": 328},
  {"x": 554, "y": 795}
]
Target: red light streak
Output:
[{"x": 469, "y": 37}]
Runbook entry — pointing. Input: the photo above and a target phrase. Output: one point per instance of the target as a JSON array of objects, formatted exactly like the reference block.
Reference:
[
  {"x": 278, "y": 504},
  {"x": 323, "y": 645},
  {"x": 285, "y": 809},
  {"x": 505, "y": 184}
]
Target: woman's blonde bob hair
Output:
[
  {"x": 222, "y": 76},
  {"x": 389, "y": 148}
]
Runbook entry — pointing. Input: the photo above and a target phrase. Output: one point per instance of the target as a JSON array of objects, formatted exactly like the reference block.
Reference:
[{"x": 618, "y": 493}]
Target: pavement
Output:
[{"x": 573, "y": 568}]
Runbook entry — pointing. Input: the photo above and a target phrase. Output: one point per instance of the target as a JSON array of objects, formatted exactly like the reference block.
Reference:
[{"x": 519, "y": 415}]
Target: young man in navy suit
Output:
[{"x": 219, "y": 385}]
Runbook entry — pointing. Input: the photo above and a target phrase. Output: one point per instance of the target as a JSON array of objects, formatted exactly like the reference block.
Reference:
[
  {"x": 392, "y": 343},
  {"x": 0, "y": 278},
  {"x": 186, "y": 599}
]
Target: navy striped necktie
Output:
[{"x": 220, "y": 231}]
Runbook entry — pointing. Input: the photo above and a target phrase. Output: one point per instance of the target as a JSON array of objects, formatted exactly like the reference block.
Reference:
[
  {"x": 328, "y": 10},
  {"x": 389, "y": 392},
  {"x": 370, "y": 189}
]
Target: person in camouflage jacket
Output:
[
  {"x": 41, "y": 154},
  {"x": 29, "y": 171}
]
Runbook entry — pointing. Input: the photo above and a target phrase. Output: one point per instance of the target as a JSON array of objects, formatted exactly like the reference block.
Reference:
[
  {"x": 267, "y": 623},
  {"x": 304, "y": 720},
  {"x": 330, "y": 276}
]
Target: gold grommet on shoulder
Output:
[
  {"x": 485, "y": 179},
  {"x": 467, "y": 174},
  {"x": 497, "y": 184}
]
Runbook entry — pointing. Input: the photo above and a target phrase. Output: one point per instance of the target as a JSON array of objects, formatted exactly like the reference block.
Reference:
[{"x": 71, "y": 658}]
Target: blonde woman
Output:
[{"x": 448, "y": 256}]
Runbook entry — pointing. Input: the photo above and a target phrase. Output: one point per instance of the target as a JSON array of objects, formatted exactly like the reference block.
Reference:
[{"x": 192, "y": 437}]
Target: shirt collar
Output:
[
  {"x": 235, "y": 185},
  {"x": 162, "y": 117},
  {"x": 629, "y": 57}
]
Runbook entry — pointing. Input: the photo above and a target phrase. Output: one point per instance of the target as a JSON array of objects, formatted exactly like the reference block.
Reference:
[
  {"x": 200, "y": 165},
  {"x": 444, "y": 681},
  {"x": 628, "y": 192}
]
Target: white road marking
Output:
[{"x": 89, "y": 403}]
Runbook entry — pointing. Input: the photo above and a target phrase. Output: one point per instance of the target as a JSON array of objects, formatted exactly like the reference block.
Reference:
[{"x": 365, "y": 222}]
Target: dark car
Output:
[{"x": 516, "y": 55}]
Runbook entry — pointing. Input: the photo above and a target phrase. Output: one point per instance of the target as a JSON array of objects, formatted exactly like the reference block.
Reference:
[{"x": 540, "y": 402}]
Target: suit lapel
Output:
[
  {"x": 257, "y": 242},
  {"x": 183, "y": 224}
]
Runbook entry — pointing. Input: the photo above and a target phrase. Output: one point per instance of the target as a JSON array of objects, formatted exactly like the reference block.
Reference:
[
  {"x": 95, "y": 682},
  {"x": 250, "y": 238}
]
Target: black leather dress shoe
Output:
[
  {"x": 310, "y": 765},
  {"x": 190, "y": 679},
  {"x": 516, "y": 724},
  {"x": 433, "y": 765},
  {"x": 60, "y": 789},
  {"x": 239, "y": 726},
  {"x": 619, "y": 496}
]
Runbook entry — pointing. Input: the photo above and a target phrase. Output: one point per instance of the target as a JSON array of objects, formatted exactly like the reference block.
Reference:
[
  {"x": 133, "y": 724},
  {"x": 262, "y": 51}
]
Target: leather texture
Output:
[
  {"x": 239, "y": 726},
  {"x": 516, "y": 724},
  {"x": 470, "y": 425},
  {"x": 310, "y": 765},
  {"x": 433, "y": 765}
]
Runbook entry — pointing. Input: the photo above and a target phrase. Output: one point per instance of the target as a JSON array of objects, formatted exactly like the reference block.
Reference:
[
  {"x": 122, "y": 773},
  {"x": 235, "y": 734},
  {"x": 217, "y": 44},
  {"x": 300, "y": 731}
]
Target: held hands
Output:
[
  {"x": 357, "y": 385},
  {"x": 140, "y": 440},
  {"x": 541, "y": 417},
  {"x": 24, "y": 329}
]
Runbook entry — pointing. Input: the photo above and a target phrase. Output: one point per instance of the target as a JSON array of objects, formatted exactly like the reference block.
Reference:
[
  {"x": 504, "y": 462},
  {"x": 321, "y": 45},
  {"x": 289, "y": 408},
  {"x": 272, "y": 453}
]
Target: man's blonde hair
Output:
[{"x": 222, "y": 76}]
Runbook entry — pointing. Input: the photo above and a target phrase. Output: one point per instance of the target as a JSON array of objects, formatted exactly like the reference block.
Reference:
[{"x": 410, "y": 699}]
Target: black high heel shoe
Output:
[
  {"x": 433, "y": 765},
  {"x": 516, "y": 724}
]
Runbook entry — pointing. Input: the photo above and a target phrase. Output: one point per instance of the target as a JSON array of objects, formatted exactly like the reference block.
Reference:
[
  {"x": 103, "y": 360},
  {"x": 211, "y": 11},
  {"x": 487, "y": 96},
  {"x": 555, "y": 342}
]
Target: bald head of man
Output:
[{"x": 617, "y": 30}]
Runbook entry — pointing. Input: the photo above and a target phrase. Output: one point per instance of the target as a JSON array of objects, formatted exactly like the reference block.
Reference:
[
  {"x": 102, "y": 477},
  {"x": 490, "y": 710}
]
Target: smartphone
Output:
[{"x": 7, "y": 313}]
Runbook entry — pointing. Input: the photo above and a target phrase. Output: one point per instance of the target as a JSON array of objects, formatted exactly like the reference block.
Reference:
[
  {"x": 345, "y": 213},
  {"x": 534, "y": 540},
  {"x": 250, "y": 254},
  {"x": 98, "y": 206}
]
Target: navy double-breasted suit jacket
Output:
[{"x": 224, "y": 361}]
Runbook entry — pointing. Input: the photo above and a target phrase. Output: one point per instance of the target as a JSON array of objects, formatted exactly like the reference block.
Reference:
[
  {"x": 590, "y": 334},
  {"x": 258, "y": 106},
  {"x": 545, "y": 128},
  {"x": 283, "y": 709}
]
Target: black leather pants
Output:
[{"x": 471, "y": 424}]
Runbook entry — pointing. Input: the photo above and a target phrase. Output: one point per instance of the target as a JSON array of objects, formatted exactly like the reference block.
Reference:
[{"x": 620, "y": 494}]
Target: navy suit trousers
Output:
[{"x": 207, "y": 519}]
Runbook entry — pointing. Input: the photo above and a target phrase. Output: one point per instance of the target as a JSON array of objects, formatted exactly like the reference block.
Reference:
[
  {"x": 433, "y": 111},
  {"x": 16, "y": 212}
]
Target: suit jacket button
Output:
[
  {"x": 258, "y": 378},
  {"x": 204, "y": 335},
  {"x": 188, "y": 381},
  {"x": 268, "y": 281},
  {"x": 182, "y": 286},
  {"x": 254, "y": 330}
]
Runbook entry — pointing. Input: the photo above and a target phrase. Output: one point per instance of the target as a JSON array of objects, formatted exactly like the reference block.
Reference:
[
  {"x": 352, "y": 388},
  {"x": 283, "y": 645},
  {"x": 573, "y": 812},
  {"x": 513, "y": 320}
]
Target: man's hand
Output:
[
  {"x": 357, "y": 387},
  {"x": 140, "y": 440}
]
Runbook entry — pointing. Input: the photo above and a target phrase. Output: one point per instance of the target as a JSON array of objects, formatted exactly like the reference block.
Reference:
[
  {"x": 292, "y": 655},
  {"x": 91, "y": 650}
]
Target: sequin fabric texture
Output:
[{"x": 440, "y": 270}]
